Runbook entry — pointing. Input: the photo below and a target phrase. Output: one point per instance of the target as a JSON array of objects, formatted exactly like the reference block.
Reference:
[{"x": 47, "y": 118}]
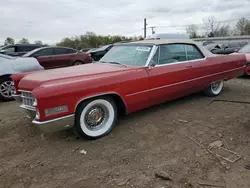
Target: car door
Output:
[
  {"x": 62, "y": 57},
  {"x": 44, "y": 57},
  {"x": 200, "y": 67},
  {"x": 168, "y": 79}
]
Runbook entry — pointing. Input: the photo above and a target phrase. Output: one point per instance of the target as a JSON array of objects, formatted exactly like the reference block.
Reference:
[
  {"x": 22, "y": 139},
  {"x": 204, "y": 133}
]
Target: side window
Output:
[
  {"x": 25, "y": 48},
  {"x": 172, "y": 53},
  {"x": 44, "y": 52},
  {"x": 9, "y": 49},
  {"x": 71, "y": 51},
  {"x": 193, "y": 53},
  {"x": 61, "y": 51}
]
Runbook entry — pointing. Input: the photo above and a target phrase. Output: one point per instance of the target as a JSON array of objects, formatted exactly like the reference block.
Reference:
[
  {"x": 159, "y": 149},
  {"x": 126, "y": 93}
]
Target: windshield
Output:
[
  {"x": 135, "y": 54},
  {"x": 245, "y": 49}
]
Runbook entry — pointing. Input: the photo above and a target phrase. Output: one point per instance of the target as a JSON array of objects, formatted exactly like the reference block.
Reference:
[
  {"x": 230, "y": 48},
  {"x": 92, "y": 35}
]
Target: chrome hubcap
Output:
[
  {"x": 95, "y": 117},
  {"x": 215, "y": 85},
  {"x": 7, "y": 89}
]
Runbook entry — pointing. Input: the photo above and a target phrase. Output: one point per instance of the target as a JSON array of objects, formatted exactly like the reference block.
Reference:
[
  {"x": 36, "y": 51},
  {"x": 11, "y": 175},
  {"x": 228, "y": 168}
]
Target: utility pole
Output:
[
  {"x": 153, "y": 32},
  {"x": 145, "y": 27}
]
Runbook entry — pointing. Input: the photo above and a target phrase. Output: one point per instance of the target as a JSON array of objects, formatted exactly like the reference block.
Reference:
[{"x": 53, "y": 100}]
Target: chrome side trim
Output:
[
  {"x": 177, "y": 83},
  {"x": 52, "y": 120},
  {"x": 168, "y": 64}
]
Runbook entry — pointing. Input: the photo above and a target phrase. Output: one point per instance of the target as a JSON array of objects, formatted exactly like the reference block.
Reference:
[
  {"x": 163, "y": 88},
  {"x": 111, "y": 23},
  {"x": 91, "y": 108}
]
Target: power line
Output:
[
  {"x": 153, "y": 32},
  {"x": 186, "y": 25}
]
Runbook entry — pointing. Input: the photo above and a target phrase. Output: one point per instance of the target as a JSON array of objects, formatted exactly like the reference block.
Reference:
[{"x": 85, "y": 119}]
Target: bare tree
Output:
[
  {"x": 38, "y": 42},
  {"x": 192, "y": 31},
  {"x": 222, "y": 31},
  {"x": 243, "y": 26},
  {"x": 210, "y": 25},
  {"x": 24, "y": 41},
  {"x": 213, "y": 28},
  {"x": 9, "y": 41}
]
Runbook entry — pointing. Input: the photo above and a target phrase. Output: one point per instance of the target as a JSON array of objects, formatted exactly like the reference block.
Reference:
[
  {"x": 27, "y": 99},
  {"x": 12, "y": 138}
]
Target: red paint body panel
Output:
[
  {"x": 139, "y": 87},
  {"x": 247, "y": 71}
]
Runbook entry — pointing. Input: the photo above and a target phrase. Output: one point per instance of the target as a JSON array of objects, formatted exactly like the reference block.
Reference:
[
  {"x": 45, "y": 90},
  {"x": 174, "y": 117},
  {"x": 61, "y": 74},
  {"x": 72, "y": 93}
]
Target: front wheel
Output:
[
  {"x": 215, "y": 88},
  {"x": 6, "y": 89},
  {"x": 95, "y": 118}
]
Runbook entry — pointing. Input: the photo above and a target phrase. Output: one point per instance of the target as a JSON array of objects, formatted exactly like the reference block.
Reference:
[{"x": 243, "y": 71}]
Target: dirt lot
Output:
[{"x": 141, "y": 144}]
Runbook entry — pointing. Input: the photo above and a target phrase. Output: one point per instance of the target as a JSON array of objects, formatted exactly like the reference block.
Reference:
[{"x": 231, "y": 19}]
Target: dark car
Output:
[
  {"x": 18, "y": 49},
  {"x": 227, "y": 47},
  {"x": 98, "y": 53},
  {"x": 55, "y": 57}
]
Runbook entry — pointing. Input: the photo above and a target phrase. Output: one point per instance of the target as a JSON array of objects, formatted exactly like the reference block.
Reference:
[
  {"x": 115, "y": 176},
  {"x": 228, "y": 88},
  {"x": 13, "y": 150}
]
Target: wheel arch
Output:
[
  {"x": 119, "y": 101},
  {"x": 77, "y": 60},
  {"x": 5, "y": 75}
]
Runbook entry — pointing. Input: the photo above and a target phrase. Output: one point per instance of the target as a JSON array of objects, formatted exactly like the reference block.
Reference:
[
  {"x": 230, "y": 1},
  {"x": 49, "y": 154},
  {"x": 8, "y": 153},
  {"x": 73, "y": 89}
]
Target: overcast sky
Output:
[{"x": 52, "y": 20}]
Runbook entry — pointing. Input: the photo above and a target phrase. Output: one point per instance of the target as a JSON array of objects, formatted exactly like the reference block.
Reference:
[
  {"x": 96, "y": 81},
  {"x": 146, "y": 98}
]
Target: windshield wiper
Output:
[{"x": 114, "y": 62}]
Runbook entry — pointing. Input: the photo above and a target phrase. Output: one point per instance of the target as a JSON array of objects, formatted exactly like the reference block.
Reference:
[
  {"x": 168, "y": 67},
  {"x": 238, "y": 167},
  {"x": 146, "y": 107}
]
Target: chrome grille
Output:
[{"x": 27, "y": 98}]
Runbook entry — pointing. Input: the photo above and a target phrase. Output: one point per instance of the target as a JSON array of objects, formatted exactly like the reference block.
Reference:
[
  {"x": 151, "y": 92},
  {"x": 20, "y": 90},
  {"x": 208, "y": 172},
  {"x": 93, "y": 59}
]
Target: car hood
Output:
[
  {"x": 70, "y": 74},
  {"x": 19, "y": 65}
]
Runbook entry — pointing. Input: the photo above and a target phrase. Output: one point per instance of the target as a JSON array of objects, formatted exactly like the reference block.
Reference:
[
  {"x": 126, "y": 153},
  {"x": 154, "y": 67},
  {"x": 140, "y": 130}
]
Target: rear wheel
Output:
[
  {"x": 6, "y": 89},
  {"x": 215, "y": 88},
  {"x": 96, "y": 118}
]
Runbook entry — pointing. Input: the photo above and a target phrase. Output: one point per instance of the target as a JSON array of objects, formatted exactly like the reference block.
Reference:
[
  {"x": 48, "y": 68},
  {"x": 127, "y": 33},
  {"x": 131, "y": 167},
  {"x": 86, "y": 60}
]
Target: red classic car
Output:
[
  {"x": 130, "y": 77},
  {"x": 55, "y": 57}
]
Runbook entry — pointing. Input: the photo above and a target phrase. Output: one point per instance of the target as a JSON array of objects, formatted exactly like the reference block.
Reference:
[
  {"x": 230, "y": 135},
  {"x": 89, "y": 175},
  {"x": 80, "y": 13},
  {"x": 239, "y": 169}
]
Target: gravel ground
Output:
[{"x": 150, "y": 141}]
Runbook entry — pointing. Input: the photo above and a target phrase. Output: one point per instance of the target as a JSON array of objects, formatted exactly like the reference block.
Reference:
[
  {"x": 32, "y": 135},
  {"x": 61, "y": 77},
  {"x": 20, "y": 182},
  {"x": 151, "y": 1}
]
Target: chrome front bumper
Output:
[
  {"x": 17, "y": 97},
  {"x": 53, "y": 125}
]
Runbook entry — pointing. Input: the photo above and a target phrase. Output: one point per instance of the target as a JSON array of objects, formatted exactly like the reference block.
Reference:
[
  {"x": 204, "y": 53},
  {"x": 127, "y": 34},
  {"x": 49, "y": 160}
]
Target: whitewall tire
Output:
[
  {"x": 215, "y": 88},
  {"x": 96, "y": 118}
]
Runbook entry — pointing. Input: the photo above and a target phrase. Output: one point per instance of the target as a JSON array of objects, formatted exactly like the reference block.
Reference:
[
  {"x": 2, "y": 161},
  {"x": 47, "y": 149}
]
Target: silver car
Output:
[{"x": 13, "y": 65}]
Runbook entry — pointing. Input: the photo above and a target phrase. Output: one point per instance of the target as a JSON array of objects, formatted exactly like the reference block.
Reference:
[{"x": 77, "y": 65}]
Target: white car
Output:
[{"x": 13, "y": 65}]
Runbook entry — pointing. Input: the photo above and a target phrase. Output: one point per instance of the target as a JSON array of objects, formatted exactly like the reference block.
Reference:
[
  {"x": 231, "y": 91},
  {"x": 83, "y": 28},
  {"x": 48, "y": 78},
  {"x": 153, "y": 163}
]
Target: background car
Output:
[
  {"x": 55, "y": 57},
  {"x": 13, "y": 65},
  {"x": 225, "y": 47},
  {"x": 98, "y": 53},
  {"x": 18, "y": 49}
]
